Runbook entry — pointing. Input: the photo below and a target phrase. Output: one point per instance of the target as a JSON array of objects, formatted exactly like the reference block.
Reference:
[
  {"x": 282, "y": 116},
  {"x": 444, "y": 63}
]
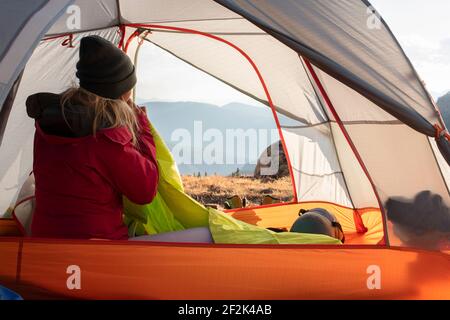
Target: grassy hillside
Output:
[{"x": 216, "y": 189}]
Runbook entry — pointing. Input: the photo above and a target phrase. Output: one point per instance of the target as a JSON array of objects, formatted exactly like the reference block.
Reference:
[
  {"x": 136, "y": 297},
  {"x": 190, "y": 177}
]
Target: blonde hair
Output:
[{"x": 116, "y": 112}]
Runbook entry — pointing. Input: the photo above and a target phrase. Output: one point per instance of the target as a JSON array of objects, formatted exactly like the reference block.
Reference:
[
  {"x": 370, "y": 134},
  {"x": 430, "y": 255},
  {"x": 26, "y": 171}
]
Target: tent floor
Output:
[{"x": 39, "y": 268}]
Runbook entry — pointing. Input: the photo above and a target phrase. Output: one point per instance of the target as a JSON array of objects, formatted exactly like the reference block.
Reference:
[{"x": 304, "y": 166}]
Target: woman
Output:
[{"x": 92, "y": 147}]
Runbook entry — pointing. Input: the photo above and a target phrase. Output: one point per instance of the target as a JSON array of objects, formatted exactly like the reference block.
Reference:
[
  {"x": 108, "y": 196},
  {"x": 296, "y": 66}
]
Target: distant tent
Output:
[{"x": 366, "y": 130}]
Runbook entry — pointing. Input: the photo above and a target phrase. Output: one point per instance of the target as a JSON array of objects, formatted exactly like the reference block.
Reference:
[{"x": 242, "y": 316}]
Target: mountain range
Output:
[
  {"x": 191, "y": 120},
  {"x": 444, "y": 105}
]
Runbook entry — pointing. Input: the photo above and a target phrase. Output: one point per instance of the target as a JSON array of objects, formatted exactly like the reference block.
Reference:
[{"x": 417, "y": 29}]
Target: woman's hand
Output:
[{"x": 136, "y": 108}]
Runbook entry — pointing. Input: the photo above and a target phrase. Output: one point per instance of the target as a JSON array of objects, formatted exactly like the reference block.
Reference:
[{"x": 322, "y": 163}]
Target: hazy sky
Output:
[
  {"x": 163, "y": 77},
  {"x": 422, "y": 27}
]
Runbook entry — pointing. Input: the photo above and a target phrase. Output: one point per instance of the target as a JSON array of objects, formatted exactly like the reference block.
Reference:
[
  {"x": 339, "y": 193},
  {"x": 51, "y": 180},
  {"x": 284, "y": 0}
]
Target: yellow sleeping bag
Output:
[
  {"x": 226, "y": 229},
  {"x": 171, "y": 209}
]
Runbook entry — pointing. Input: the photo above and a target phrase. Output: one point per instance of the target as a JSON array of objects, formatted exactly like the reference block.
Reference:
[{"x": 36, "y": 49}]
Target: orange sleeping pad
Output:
[{"x": 360, "y": 269}]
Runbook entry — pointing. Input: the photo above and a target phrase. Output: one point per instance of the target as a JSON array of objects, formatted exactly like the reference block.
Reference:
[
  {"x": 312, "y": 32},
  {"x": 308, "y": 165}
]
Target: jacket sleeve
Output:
[
  {"x": 133, "y": 171},
  {"x": 145, "y": 139}
]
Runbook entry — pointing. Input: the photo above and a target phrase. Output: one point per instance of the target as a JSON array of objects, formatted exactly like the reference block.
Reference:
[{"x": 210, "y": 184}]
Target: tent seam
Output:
[
  {"x": 355, "y": 122},
  {"x": 196, "y": 20},
  {"x": 319, "y": 175},
  {"x": 119, "y": 12},
  {"x": 54, "y": 36}
]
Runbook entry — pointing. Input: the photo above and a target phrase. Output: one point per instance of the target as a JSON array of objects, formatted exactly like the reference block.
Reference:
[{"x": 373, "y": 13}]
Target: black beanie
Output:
[{"x": 104, "y": 69}]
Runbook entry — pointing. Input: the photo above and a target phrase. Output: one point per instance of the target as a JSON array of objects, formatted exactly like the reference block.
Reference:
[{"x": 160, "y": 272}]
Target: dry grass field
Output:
[{"x": 216, "y": 189}]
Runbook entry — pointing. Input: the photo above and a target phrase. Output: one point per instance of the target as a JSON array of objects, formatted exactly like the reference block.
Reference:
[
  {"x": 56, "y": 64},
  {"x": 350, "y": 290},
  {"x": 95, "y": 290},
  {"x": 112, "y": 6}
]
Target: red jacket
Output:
[{"x": 80, "y": 181}]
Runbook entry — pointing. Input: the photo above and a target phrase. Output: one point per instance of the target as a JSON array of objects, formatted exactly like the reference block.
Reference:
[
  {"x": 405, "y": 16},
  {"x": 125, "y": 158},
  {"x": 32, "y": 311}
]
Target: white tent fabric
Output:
[
  {"x": 316, "y": 168},
  {"x": 399, "y": 161},
  {"x": 377, "y": 137}
]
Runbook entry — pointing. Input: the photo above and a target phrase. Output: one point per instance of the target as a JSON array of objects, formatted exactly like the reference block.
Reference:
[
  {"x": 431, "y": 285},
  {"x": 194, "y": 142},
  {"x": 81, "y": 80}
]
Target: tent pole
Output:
[{"x": 351, "y": 144}]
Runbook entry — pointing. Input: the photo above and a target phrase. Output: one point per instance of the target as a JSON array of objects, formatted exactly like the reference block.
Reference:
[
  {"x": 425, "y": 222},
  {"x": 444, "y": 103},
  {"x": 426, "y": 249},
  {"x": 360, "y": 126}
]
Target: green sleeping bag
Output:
[
  {"x": 226, "y": 229},
  {"x": 171, "y": 209}
]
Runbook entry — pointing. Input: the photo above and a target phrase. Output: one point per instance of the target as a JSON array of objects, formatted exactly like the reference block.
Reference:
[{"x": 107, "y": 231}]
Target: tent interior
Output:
[{"x": 345, "y": 153}]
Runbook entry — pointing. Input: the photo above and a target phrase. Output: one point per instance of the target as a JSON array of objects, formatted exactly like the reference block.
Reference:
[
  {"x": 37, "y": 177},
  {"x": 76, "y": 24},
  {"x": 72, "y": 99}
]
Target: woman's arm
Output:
[
  {"x": 133, "y": 171},
  {"x": 146, "y": 145}
]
